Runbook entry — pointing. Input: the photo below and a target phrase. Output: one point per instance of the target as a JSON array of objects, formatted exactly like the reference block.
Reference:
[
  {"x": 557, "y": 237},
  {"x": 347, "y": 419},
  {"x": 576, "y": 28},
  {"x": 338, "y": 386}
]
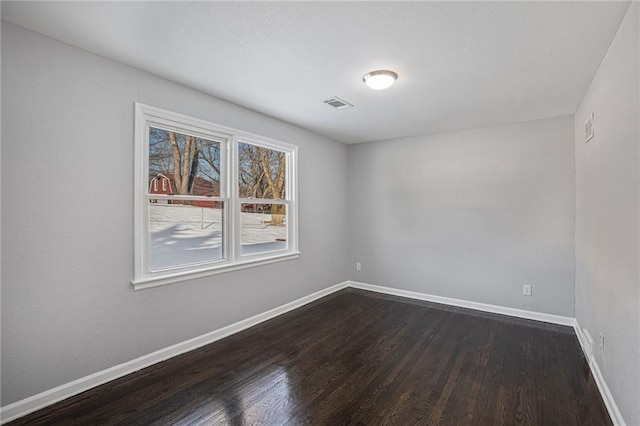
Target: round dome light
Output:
[{"x": 380, "y": 80}]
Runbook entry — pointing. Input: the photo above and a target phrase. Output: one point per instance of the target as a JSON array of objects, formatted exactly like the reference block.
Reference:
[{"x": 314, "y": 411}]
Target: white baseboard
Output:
[
  {"x": 614, "y": 412},
  {"x": 28, "y": 405},
  {"x": 520, "y": 313}
]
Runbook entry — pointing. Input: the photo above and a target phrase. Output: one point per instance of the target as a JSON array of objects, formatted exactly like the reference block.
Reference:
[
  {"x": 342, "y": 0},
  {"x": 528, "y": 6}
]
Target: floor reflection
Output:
[{"x": 266, "y": 399}]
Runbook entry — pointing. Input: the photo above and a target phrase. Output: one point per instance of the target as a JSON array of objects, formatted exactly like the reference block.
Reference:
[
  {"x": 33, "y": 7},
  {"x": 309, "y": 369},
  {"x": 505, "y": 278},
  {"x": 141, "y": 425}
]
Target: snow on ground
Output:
[{"x": 186, "y": 235}]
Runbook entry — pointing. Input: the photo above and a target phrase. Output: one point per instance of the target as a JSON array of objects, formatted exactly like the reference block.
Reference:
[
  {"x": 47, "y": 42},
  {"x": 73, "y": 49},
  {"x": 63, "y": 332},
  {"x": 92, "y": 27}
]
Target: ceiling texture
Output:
[{"x": 461, "y": 65}]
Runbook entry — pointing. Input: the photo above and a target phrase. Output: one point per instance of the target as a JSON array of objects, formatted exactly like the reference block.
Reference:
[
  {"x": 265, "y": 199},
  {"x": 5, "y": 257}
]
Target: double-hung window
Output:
[{"x": 209, "y": 199}]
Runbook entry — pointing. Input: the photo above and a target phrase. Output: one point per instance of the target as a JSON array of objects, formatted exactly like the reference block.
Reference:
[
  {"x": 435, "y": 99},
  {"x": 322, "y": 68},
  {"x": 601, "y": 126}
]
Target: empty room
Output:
[{"x": 322, "y": 213}]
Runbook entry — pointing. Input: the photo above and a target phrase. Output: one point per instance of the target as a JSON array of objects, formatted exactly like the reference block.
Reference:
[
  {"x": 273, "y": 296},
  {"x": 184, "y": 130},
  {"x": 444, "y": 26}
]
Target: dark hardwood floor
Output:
[{"x": 359, "y": 358}]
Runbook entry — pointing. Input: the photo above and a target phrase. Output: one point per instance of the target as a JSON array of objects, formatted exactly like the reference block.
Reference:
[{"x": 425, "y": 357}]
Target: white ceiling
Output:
[{"x": 460, "y": 65}]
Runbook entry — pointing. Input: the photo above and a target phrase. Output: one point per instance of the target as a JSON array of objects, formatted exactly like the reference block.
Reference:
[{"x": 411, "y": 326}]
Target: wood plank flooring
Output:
[{"x": 362, "y": 358}]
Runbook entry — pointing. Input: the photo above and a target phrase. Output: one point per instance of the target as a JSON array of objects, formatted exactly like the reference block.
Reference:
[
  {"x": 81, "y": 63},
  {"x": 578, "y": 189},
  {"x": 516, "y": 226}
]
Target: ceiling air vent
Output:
[{"x": 337, "y": 103}]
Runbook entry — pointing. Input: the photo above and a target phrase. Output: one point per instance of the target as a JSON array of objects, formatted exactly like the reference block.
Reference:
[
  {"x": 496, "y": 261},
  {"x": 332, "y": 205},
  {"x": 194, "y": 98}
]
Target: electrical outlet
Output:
[
  {"x": 526, "y": 290},
  {"x": 358, "y": 266},
  {"x": 601, "y": 342},
  {"x": 588, "y": 129}
]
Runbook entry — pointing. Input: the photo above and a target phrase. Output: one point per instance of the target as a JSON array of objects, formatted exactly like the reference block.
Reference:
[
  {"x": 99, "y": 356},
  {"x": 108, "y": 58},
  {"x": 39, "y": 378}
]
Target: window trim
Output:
[{"x": 147, "y": 116}]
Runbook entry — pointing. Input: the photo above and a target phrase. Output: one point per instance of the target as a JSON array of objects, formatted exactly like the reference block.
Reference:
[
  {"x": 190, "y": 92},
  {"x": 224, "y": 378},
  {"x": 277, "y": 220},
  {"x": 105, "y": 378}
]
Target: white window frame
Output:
[{"x": 147, "y": 116}]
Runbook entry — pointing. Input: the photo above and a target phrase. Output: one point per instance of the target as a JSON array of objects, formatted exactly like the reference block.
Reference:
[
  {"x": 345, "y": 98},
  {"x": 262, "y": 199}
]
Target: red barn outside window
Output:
[{"x": 165, "y": 185}]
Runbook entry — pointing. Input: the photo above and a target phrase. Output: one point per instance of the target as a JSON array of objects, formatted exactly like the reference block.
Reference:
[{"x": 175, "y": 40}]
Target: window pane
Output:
[
  {"x": 183, "y": 164},
  {"x": 262, "y": 172},
  {"x": 264, "y": 227},
  {"x": 184, "y": 233}
]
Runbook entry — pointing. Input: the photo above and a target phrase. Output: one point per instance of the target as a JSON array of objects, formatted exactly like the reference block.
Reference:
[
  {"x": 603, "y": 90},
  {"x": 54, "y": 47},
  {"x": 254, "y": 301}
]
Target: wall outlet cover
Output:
[{"x": 588, "y": 129}]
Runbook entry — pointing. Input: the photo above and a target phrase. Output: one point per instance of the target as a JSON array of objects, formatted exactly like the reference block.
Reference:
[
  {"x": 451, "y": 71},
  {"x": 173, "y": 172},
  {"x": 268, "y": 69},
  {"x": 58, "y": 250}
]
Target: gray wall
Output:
[
  {"x": 68, "y": 309},
  {"x": 607, "y": 217},
  {"x": 471, "y": 215}
]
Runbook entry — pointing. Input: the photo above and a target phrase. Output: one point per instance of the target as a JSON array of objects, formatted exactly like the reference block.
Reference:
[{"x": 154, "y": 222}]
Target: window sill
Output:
[{"x": 150, "y": 282}]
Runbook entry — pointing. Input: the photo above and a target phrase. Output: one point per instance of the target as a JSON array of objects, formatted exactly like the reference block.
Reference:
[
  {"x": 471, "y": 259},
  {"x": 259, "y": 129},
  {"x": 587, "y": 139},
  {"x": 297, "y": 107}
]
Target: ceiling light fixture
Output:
[{"x": 380, "y": 80}]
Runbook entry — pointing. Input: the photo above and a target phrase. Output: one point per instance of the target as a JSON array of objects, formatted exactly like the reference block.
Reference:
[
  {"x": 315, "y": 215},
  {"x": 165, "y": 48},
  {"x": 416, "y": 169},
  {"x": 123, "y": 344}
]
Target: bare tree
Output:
[
  {"x": 187, "y": 159},
  {"x": 160, "y": 157},
  {"x": 185, "y": 163},
  {"x": 263, "y": 175},
  {"x": 275, "y": 183},
  {"x": 210, "y": 154},
  {"x": 192, "y": 162}
]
